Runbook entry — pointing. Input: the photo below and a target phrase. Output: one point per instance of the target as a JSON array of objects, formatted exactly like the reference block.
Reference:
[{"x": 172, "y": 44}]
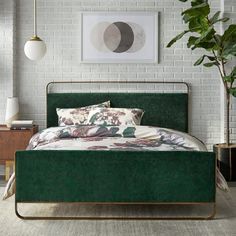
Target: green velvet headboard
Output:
[{"x": 168, "y": 110}]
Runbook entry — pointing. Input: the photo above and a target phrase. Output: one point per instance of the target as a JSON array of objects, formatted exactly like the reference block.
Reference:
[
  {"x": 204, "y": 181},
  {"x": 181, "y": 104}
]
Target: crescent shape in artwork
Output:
[
  {"x": 139, "y": 37},
  {"x": 112, "y": 37},
  {"x": 119, "y": 37}
]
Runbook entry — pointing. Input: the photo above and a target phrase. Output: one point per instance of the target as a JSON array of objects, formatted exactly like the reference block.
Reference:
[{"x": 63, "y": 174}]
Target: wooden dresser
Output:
[{"x": 10, "y": 142}]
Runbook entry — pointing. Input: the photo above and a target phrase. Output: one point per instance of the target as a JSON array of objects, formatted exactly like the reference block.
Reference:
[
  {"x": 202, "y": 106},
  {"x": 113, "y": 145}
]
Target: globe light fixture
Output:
[{"x": 35, "y": 48}]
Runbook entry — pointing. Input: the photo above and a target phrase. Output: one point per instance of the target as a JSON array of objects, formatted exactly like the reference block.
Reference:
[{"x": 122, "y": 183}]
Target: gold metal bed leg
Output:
[
  {"x": 213, "y": 212},
  {"x": 209, "y": 217},
  {"x": 17, "y": 213}
]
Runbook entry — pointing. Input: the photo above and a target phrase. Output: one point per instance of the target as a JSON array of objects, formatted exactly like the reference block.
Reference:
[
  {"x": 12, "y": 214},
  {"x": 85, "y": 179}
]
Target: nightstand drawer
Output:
[{"x": 13, "y": 140}]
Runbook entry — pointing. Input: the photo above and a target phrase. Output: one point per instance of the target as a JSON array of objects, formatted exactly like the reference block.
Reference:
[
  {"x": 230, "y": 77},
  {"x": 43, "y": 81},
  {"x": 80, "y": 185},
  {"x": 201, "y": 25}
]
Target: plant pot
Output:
[{"x": 226, "y": 160}]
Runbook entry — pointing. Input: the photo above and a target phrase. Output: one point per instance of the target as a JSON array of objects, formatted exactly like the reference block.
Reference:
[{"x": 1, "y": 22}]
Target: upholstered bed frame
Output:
[{"x": 114, "y": 177}]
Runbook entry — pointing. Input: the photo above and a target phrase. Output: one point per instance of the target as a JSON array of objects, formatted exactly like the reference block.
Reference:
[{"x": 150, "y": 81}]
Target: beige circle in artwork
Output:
[
  {"x": 96, "y": 36},
  {"x": 139, "y": 38}
]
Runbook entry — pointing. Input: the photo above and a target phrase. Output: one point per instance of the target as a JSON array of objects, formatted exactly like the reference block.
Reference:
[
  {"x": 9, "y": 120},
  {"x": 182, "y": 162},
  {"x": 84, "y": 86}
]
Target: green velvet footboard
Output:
[{"x": 115, "y": 176}]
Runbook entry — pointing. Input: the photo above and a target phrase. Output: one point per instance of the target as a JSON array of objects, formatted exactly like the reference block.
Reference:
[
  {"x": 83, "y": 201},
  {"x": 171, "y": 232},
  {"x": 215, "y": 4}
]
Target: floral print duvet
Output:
[{"x": 100, "y": 137}]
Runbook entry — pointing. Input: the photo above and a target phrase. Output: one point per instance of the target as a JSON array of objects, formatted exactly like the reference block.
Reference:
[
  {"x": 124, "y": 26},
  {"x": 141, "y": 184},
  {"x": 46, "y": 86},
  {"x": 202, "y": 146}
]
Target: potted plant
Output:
[{"x": 220, "y": 49}]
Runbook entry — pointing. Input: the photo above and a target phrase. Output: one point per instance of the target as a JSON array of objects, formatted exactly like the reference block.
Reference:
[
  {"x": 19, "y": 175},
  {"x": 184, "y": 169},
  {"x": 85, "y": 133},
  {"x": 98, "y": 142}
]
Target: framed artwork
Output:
[{"x": 119, "y": 37}]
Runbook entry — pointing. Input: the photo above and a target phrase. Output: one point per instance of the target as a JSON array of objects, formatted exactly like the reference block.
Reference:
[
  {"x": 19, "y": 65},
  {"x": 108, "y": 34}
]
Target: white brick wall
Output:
[
  {"x": 230, "y": 11},
  {"x": 7, "y": 86},
  {"x": 58, "y": 25}
]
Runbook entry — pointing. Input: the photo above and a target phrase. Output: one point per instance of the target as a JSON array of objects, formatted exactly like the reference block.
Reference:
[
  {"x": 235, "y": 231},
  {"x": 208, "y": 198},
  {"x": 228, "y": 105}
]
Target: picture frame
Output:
[{"x": 119, "y": 37}]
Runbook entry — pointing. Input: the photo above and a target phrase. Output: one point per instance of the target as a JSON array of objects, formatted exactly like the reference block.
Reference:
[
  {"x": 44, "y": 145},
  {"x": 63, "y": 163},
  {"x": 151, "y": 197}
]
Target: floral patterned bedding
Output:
[
  {"x": 100, "y": 137},
  {"x": 77, "y": 116}
]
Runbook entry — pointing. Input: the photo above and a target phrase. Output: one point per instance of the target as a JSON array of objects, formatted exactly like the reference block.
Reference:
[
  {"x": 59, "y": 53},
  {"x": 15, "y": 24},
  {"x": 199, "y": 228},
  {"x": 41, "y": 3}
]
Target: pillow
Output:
[
  {"x": 77, "y": 116},
  {"x": 115, "y": 116}
]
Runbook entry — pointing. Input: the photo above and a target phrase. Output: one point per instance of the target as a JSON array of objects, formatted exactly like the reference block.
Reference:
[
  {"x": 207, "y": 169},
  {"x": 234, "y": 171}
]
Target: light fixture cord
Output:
[{"x": 35, "y": 19}]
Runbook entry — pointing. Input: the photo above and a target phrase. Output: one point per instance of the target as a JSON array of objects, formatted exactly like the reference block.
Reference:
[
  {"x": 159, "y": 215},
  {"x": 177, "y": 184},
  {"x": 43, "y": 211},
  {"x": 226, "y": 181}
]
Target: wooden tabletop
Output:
[{"x": 5, "y": 128}]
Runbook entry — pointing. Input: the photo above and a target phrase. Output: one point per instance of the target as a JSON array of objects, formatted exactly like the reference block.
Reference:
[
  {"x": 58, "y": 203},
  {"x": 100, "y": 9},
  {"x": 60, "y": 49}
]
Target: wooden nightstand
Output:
[{"x": 10, "y": 142}]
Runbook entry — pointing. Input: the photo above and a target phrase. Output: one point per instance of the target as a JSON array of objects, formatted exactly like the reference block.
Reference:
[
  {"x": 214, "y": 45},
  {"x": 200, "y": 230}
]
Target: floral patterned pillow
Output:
[
  {"x": 77, "y": 116},
  {"x": 115, "y": 116}
]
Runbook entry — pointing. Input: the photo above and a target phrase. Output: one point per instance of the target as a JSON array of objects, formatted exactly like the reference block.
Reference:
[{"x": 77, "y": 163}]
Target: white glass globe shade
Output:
[{"x": 35, "y": 49}]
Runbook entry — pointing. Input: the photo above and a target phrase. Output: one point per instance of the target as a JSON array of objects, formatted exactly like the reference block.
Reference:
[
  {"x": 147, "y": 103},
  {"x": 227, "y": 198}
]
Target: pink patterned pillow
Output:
[
  {"x": 77, "y": 116},
  {"x": 115, "y": 116}
]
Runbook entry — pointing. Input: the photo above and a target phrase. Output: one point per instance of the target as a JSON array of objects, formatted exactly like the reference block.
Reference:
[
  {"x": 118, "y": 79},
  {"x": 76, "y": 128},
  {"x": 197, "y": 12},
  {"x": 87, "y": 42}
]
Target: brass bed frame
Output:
[{"x": 196, "y": 217}]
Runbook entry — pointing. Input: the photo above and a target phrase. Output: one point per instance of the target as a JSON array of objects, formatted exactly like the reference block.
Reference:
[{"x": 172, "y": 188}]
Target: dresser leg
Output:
[
  {"x": 8, "y": 165},
  {"x": 7, "y": 171}
]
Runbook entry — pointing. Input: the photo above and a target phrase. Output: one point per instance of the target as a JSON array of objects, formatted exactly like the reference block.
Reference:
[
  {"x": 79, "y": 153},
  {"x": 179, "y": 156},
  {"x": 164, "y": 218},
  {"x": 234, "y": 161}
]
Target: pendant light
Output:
[{"x": 35, "y": 48}]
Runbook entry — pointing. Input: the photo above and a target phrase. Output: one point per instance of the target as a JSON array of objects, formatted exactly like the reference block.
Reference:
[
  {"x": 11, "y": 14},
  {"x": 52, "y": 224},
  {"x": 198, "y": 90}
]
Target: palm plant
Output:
[{"x": 220, "y": 48}]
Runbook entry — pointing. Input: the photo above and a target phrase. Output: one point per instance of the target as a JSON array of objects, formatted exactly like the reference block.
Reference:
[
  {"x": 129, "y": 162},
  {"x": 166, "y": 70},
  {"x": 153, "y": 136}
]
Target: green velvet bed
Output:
[{"x": 114, "y": 177}]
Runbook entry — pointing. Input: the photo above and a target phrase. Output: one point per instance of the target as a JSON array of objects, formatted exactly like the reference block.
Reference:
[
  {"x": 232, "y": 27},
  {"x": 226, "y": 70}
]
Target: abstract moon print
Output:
[
  {"x": 123, "y": 37},
  {"x": 118, "y": 37}
]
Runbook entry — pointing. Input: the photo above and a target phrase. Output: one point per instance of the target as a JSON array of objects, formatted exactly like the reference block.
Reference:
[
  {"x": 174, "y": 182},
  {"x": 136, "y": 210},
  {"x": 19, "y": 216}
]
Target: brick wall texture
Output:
[
  {"x": 7, "y": 16},
  {"x": 59, "y": 24}
]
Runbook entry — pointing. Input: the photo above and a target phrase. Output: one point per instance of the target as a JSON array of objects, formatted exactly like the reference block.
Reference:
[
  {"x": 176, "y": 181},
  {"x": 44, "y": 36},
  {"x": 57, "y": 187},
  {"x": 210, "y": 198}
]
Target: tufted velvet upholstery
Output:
[{"x": 169, "y": 110}]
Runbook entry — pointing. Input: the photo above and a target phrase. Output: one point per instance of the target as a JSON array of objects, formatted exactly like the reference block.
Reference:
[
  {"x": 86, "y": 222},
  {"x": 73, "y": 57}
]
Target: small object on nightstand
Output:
[
  {"x": 22, "y": 124},
  {"x": 12, "y": 110},
  {"x": 10, "y": 142}
]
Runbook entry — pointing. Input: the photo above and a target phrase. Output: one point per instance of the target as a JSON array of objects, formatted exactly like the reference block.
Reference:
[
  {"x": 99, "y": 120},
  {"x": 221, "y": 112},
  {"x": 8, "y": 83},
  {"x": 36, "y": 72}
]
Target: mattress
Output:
[{"x": 122, "y": 138}]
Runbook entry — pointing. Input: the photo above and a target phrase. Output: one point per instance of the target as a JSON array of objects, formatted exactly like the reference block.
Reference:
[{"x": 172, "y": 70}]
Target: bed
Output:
[{"x": 151, "y": 177}]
